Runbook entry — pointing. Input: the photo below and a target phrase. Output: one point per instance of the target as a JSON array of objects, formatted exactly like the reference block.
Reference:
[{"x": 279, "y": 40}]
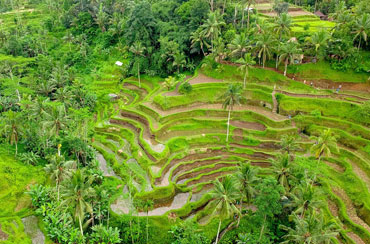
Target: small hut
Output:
[{"x": 321, "y": 15}]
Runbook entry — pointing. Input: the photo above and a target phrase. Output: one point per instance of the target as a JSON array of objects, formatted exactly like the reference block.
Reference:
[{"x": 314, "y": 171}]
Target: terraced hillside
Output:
[{"x": 171, "y": 147}]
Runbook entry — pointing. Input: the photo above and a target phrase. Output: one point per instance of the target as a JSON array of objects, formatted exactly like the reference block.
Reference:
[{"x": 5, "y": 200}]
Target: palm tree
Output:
[
  {"x": 138, "y": 50},
  {"x": 246, "y": 178},
  {"x": 59, "y": 169},
  {"x": 246, "y": 63},
  {"x": 239, "y": 45},
  {"x": 263, "y": 47},
  {"x": 288, "y": 143},
  {"x": 319, "y": 40},
  {"x": 224, "y": 196},
  {"x": 362, "y": 27},
  {"x": 148, "y": 204},
  {"x": 56, "y": 119},
  {"x": 282, "y": 168},
  {"x": 306, "y": 198},
  {"x": 313, "y": 229},
  {"x": 75, "y": 193},
  {"x": 198, "y": 37},
  {"x": 231, "y": 97},
  {"x": 283, "y": 24},
  {"x": 323, "y": 144},
  {"x": 212, "y": 26},
  {"x": 287, "y": 53},
  {"x": 179, "y": 61},
  {"x": 11, "y": 127}
]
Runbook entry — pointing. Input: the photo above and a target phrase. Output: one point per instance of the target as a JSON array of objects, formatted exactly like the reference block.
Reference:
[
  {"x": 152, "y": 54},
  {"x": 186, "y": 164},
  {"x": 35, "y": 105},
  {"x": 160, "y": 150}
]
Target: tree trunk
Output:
[
  {"x": 228, "y": 126},
  {"x": 359, "y": 44},
  {"x": 248, "y": 15},
  {"x": 235, "y": 14},
  {"x": 147, "y": 226},
  {"x": 79, "y": 220},
  {"x": 138, "y": 73},
  {"x": 211, "y": 3},
  {"x": 243, "y": 13},
  {"x": 286, "y": 66},
  {"x": 58, "y": 188},
  {"x": 223, "y": 8},
  {"x": 245, "y": 76},
  {"x": 218, "y": 231},
  {"x": 262, "y": 229}
]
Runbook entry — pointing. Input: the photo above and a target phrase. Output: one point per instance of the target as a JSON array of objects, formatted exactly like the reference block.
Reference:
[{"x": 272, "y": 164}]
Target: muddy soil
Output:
[{"x": 248, "y": 125}]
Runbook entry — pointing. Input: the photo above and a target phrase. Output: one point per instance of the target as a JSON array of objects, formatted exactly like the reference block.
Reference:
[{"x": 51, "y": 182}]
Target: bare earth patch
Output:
[
  {"x": 32, "y": 230},
  {"x": 351, "y": 210},
  {"x": 3, "y": 235},
  {"x": 248, "y": 125}
]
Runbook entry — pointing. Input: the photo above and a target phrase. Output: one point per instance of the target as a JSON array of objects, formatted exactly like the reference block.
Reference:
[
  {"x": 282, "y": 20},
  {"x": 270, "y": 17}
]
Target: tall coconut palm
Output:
[
  {"x": 320, "y": 41},
  {"x": 246, "y": 178},
  {"x": 324, "y": 144},
  {"x": 283, "y": 25},
  {"x": 231, "y": 97},
  {"x": 315, "y": 228},
  {"x": 264, "y": 47},
  {"x": 224, "y": 196},
  {"x": 306, "y": 198},
  {"x": 55, "y": 119},
  {"x": 246, "y": 5},
  {"x": 75, "y": 193},
  {"x": 58, "y": 169},
  {"x": 362, "y": 28},
  {"x": 239, "y": 45},
  {"x": 10, "y": 125},
  {"x": 148, "y": 205},
  {"x": 288, "y": 143},
  {"x": 212, "y": 27},
  {"x": 245, "y": 63},
  {"x": 197, "y": 37},
  {"x": 282, "y": 168},
  {"x": 179, "y": 61},
  {"x": 138, "y": 50},
  {"x": 287, "y": 53}
]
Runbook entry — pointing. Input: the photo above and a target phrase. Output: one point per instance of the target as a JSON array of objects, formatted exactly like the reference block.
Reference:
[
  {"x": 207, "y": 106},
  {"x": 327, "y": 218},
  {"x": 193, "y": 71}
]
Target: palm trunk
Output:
[
  {"x": 58, "y": 190},
  {"x": 248, "y": 15},
  {"x": 286, "y": 66},
  {"x": 235, "y": 14},
  {"x": 218, "y": 231},
  {"x": 211, "y": 3},
  {"x": 359, "y": 44},
  {"x": 16, "y": 148},
  {"x": 147, "y": 226},
  {"x": 138, "y": 73},
  {"x": 223, "y": 9},
  {"x": 262, "y": 229},
  {"x": 228, "y": 126},
  {"x": 277, "y": 62},
  {"x": 243, "y": 13},
  {"x": 80, "y": 222},
  {"x": 245, "y": 77}
]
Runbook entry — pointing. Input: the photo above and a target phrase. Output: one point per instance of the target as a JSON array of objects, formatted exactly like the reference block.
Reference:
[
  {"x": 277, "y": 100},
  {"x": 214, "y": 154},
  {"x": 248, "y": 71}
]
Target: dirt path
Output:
[
  {"x": 107, "y": 171},
  {"x": 216, "y": 106},
  {"x": 32, "y": 230},
  {"x": 351, "y": 210}
]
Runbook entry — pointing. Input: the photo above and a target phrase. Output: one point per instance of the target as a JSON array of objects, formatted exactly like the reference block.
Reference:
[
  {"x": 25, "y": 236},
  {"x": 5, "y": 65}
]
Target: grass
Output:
[
  {"x": 323, "y": 71},
  {"x": 15, "y": 180}
]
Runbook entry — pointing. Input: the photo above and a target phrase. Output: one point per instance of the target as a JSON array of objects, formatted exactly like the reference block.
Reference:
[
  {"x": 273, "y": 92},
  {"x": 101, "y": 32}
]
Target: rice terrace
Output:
[{"x": 184, "y": 121}]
